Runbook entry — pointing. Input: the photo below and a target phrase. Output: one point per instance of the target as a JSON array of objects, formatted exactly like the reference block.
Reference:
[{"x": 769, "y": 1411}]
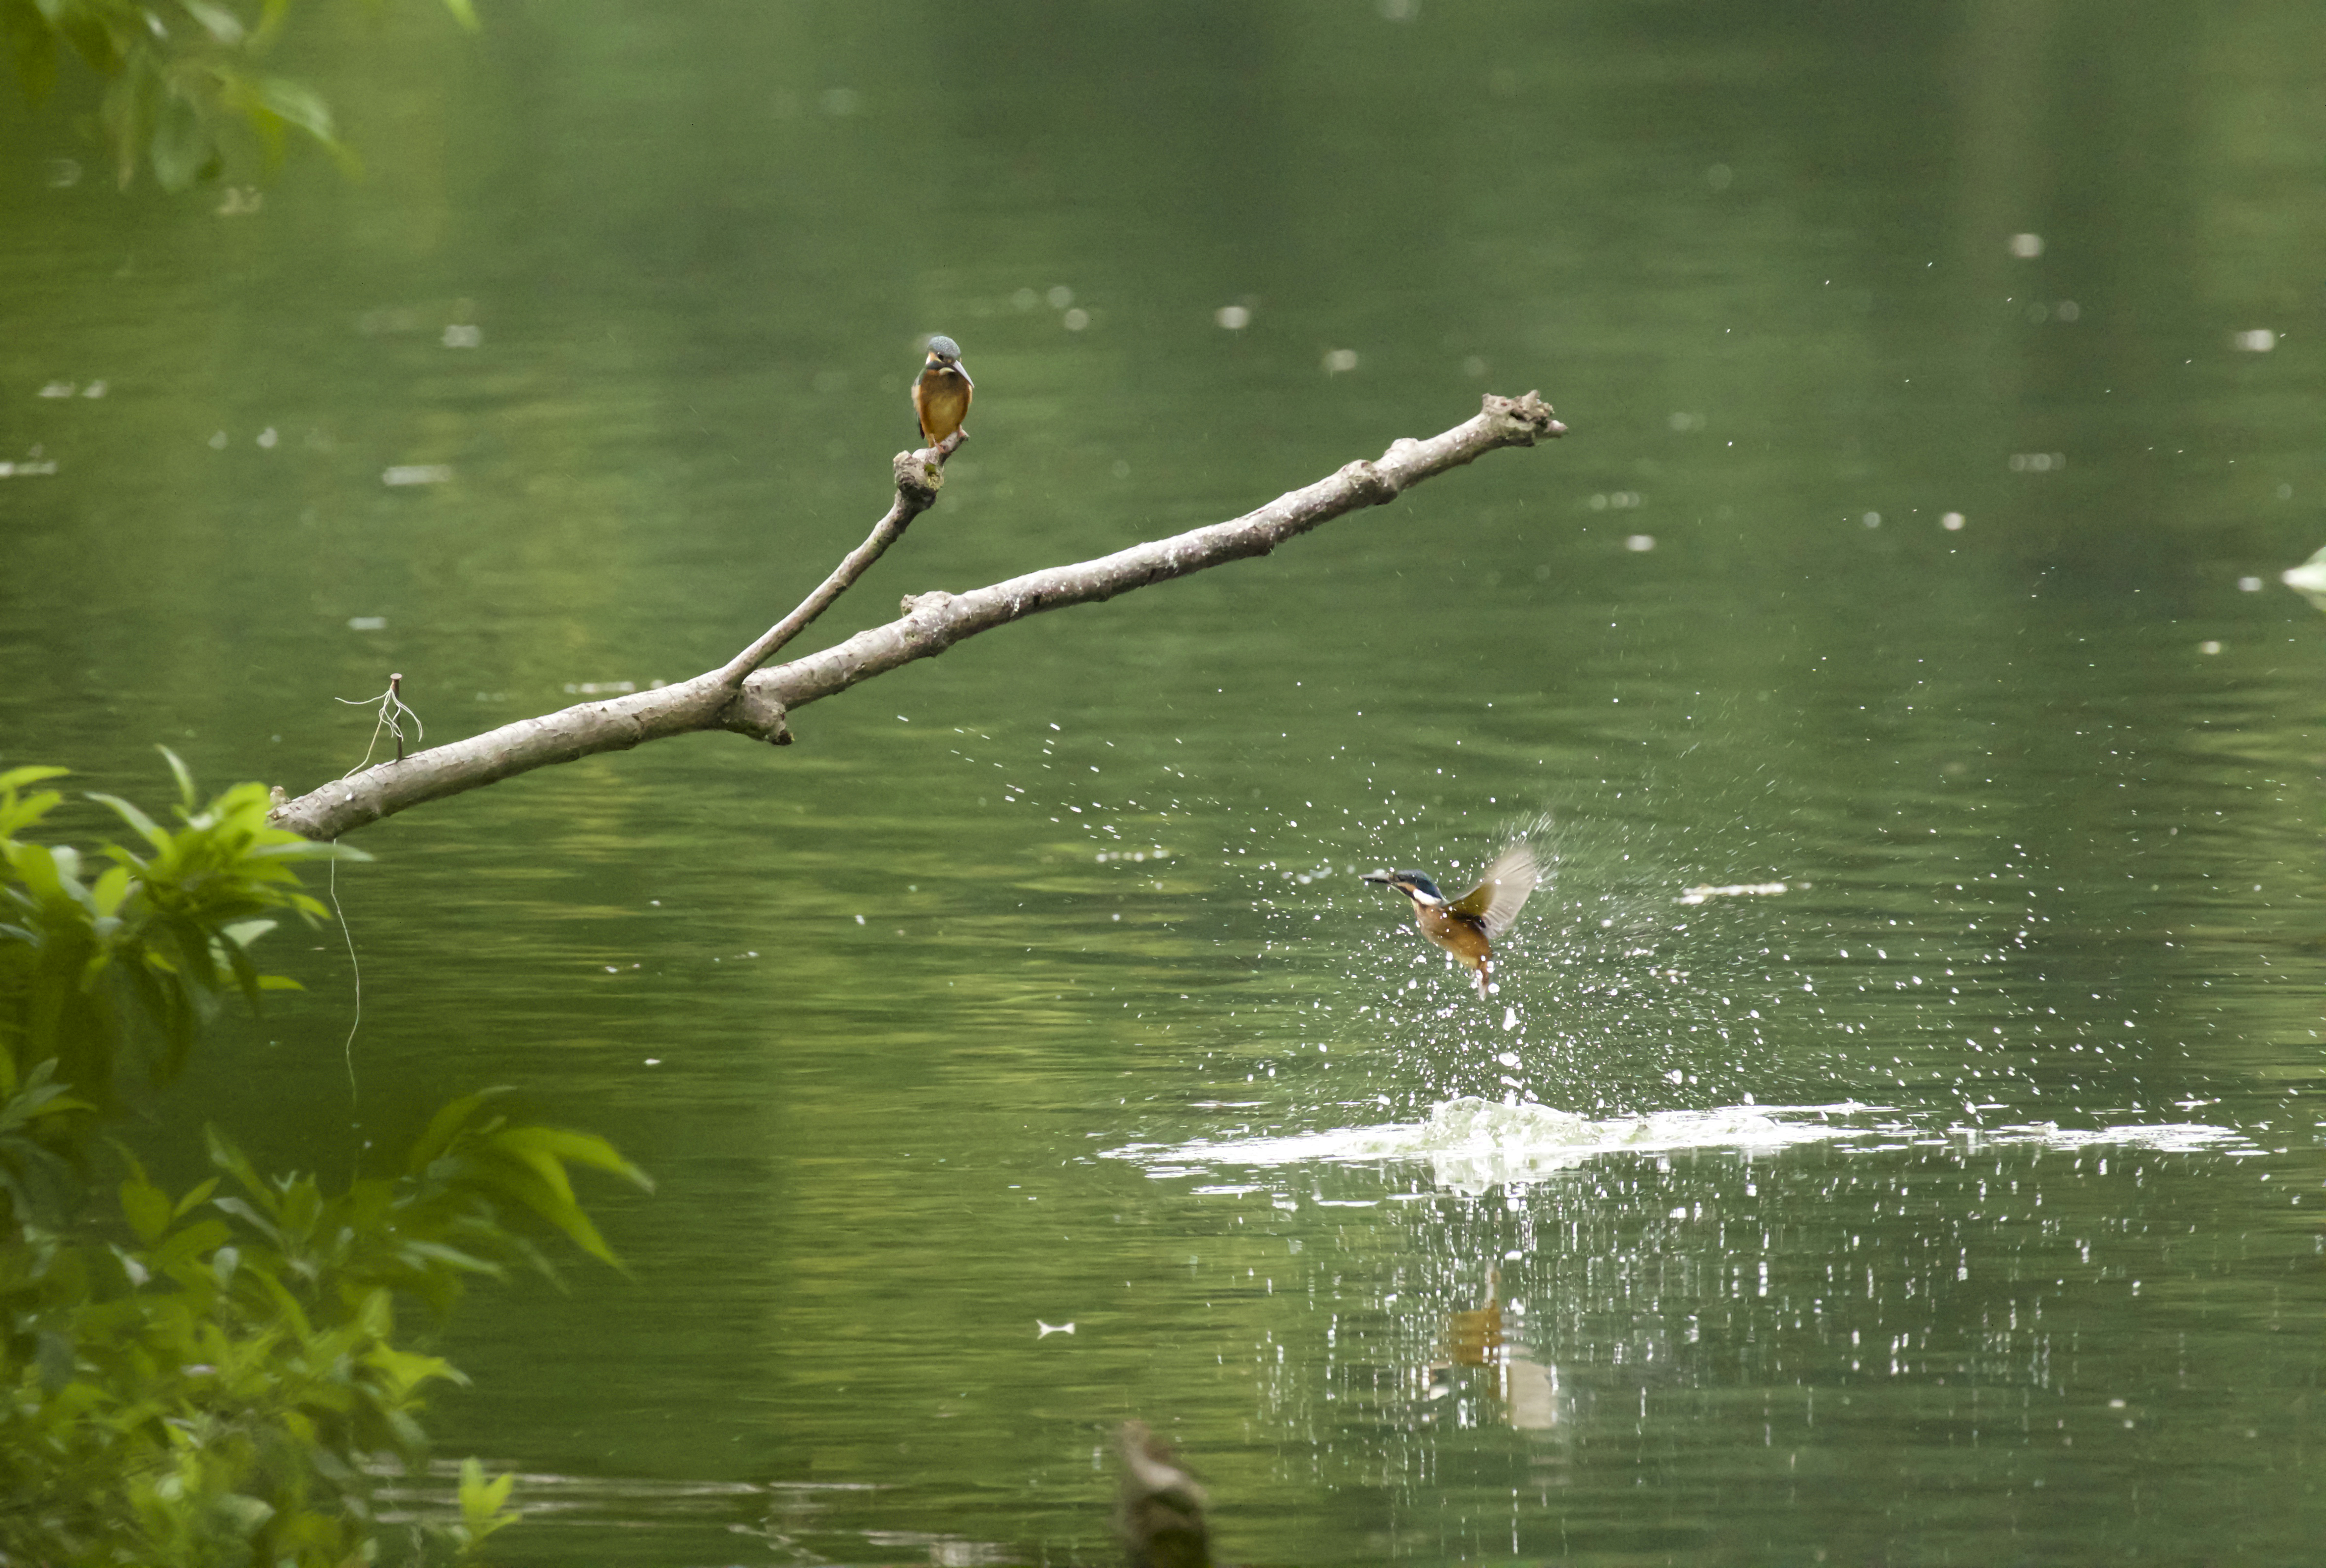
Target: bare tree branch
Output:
[
  {"x": 917, "y": 492},
  {"x": 733, "y": 697}
]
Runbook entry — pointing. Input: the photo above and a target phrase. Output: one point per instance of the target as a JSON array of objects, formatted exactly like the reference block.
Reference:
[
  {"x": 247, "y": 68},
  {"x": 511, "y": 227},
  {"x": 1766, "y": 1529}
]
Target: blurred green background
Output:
[{"x": 1945, "y": 402}]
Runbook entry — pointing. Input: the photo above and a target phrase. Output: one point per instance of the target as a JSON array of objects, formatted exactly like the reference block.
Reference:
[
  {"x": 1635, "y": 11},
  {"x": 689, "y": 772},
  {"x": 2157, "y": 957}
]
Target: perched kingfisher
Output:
[
  {"x": 1467, "y": 926},
  {"x": 941, "y": 394}
]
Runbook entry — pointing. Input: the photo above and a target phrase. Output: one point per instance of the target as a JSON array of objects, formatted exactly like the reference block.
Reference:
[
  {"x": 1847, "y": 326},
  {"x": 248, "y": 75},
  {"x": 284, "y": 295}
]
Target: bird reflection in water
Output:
[
  {"x": 1160, "y": 1516},
  {"x": 1527, "y": 1389}
]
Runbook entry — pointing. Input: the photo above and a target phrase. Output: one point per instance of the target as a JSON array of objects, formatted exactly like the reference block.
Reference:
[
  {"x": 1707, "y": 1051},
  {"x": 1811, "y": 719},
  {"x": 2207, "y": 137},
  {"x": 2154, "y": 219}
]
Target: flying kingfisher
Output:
[
  {"x": 941, "y": 394},
  {"x": 1467, "y": 926}
]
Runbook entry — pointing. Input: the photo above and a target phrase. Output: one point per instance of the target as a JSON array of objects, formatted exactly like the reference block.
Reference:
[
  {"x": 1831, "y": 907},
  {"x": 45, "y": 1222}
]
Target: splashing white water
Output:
[{"x": 1474, "y": 1146}]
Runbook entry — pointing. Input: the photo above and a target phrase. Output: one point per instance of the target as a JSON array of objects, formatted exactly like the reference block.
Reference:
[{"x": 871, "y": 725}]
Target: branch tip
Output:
[
  {"x": 920, "y": 473},
  {"x": 919, "y": 476},
  {"x": 1523, "y": 419}
]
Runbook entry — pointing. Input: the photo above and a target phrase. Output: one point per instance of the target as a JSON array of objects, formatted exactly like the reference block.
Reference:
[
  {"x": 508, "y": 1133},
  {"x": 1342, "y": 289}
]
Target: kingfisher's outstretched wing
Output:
[{"x": 1496, "y": 901}]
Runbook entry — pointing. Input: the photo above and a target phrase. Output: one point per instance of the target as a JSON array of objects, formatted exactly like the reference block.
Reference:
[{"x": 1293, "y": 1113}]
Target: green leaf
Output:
[
  {"x": 38, "y": 1098},
  {"x": 483, "y": 1506},
  {"x": 553, "y": 1200},
  {"x": 246, "y": 973},
  {"x": 271, "y": 17},
  {"x": 181, "y": 144},
  {"x": 302, "y": 1206},
  {"x": 446, "y": 1124},
  {"x": 19, "y": 813},
  {"x": 17, "y": 778},
  {"x": 243, "y": 933},
  {"x": 555, "y": 1144},
  {"x": 244, "y": 1515},
  {"x": 65, "y": 860},
  {"x": 139, "y": 823},
  {"x": 110, "y": 890},
  {"x": 298, "y": 106},
  {"x": 36, "y": 868},
  {"x": 434, "y": 1254},
  {"x": 178, "y": 769},
  {"x": 128, "y": 110},
  {"x": 236, "y": 1164},
  {"x": 479, "y": 1496},
  {"x": 408, "y": 1369},
  {"x": 182, "y": 1247},
  {"x": 249, "y": 1214},
  {"x": 197, "y": 1195},
  {"x": 79, "y": 24},
  {"x": 217, "y": 21},
  {"x": 16, "y": 815},
  {"x": 147, "y": 1208}
]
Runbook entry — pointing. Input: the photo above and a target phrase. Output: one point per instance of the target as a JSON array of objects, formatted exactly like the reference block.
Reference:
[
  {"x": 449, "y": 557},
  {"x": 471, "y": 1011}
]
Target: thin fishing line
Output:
[
  {"x": 393, "y": 711},
  {"x": 355, "y": 965}
]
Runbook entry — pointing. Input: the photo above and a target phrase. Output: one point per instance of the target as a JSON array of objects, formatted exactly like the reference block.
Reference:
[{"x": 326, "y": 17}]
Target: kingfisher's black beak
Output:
[{"x": 1381, "y": 877}]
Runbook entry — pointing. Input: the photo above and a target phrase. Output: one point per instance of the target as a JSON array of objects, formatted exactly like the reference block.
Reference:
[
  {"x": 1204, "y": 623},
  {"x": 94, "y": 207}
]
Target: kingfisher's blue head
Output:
[{"x": 1412, "y": 883}]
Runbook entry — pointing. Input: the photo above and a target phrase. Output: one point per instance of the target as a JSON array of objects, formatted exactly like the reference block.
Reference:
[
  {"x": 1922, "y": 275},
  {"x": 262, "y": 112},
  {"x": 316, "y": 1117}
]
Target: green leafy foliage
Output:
[
  {"x": 186, "y": 88},
  {"x": 211, "y": 1375},
  {"x": 106, "y": 973}
]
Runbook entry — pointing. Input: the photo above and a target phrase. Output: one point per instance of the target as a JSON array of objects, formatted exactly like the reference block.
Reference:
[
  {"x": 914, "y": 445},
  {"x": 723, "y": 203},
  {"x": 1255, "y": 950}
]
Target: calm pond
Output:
[{"x": 1018, "y": 1052}]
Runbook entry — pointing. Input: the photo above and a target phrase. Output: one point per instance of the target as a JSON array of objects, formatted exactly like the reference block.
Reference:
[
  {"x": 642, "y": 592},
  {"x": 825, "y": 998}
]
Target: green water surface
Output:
[{"x": 1946, "y": 389}]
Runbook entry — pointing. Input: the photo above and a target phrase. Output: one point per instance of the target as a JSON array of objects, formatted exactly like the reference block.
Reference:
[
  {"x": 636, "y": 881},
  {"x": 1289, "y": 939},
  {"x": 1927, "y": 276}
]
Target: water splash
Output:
[{"x": 1474, "y": 1145}]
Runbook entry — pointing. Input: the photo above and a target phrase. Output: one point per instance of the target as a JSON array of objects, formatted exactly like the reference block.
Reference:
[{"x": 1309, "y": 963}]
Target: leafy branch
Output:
[
  {"x": 185, "y": 79},
  {"x": 202, "y": 1376}
]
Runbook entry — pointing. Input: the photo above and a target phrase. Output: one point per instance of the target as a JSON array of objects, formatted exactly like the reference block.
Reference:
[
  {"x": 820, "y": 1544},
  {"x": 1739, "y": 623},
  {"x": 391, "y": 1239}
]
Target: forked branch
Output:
[
  {"x": 917, "y": 483},
  {"x": 741, "y": 697}
]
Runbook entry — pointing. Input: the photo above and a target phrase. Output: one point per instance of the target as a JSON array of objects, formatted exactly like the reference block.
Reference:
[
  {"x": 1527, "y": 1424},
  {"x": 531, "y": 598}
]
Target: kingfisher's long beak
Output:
[
  {"x": 1381, "y": 877},
  {"x": 962, "y": 370}
]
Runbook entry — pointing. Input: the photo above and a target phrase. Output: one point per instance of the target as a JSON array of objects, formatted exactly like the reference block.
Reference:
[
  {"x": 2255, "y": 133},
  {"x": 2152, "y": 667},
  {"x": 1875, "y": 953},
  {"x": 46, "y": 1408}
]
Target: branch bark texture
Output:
[{"x": 742, "y": 698}]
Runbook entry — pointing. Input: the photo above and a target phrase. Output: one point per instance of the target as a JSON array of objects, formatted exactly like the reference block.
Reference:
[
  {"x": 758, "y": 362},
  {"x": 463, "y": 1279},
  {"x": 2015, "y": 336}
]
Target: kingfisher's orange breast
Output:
[
  {"x": 1459, "y": 935},
  {"x": 941, "y": 398}
]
